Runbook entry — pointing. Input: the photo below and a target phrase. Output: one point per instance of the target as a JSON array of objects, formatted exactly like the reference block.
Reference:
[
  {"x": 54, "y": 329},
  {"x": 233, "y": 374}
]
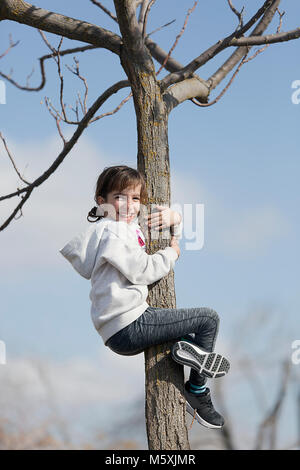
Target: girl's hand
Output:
[
  {"x": 174, "y": 244},
  {"x": 163, "y": 218}
]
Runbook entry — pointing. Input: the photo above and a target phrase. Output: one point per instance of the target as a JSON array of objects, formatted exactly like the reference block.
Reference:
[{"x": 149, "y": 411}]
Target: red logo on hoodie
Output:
[{"x": 141, "y": 241}]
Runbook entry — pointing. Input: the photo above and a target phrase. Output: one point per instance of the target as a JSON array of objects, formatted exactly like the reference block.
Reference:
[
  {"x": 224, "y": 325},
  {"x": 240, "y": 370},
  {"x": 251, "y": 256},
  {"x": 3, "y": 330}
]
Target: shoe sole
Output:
[
  {"x": 198, "y": 418},
  {"x": 212, "y": 365}
]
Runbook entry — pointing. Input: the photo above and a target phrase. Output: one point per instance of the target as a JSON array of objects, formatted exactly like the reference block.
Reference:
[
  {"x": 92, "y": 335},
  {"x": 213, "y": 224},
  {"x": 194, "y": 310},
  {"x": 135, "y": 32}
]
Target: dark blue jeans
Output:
[{"x": 160, "y": 325}]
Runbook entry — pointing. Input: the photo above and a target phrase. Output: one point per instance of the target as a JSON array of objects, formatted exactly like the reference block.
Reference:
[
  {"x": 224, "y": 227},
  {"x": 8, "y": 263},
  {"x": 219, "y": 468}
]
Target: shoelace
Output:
[{"x": 207, "y": 404}]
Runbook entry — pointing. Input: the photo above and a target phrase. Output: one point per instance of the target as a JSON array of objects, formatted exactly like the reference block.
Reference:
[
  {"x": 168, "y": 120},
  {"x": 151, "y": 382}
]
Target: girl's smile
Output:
[{"x": 125, "y": 204}]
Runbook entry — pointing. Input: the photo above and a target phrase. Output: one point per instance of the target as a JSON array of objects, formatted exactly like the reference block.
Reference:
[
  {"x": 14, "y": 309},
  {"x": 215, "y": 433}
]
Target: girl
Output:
[{"x": 111, "y": 253}]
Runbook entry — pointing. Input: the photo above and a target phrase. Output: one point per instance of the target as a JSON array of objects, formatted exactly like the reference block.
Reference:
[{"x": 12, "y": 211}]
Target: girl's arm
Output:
[{"x": 133, "y": 262}]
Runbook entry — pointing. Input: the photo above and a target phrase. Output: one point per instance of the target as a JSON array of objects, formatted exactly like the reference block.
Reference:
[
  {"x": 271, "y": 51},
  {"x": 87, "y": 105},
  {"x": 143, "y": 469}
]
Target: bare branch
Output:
[
  {"x": 185, "y": 90},
  {"x": 234, "y": 59},
  {"x": 60, "y": 131},
  {"x": 110, "y": 113},
  {"x": 25, "y": 13},
  {"x": 65, "y": 151},
  {"x": 238, "y": 14},
  {"x": 106, "y": 10},
  {"x": 212, "y": 51},
  {"x": 12, "y": 160},
  {"x": 11, "y": 45},
  {"x": 18, "y": 208},
  {"x": 268, "y": 39},
  {"x": 56, "y": 115},
  {"x": 243, "y": 61},
  {"x": 77, "y": 73},
  {"x": 56, "y": 58},
  {"x": 149, "y": 6},
  {"x": 42, "y": 67},
  {"x": 29, "y": 76},
  {"x": 160, "y": 28},
  {"x": 178, "y": 36},
  {"x": 144, "y": 4}
]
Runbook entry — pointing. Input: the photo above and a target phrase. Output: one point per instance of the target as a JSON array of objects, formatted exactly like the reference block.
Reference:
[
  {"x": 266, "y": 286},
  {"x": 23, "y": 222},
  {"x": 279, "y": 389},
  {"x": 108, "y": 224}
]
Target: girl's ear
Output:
[{"x": 100, "y": 200}]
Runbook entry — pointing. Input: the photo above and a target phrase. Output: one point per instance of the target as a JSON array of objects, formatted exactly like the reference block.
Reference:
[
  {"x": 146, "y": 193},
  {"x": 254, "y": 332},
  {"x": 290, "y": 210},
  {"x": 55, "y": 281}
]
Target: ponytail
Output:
[{"x": 92, "y": 214}]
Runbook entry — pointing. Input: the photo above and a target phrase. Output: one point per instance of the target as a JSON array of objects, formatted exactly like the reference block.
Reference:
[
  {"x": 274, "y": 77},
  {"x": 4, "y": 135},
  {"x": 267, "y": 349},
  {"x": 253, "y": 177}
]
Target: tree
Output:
[{"x": 154, "y": 100}]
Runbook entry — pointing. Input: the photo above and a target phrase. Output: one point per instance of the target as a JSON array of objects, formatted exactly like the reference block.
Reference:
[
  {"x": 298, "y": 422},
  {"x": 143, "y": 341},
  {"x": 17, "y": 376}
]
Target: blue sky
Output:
[{"x": 240, "y": 158}]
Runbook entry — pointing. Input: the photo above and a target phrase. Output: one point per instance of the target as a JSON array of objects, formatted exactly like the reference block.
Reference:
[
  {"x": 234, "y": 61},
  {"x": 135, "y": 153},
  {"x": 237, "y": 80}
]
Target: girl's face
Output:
[{"x": 123, "y": 206}]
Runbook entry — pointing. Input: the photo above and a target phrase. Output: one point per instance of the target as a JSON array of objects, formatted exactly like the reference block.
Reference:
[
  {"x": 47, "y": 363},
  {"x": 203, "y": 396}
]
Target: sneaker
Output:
[
  {"x": 210, "y": 364},
  {"x": 201, "y": 408}
]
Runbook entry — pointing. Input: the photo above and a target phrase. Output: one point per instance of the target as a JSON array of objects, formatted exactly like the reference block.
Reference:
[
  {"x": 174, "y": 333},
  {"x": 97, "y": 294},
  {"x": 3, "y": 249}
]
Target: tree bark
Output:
[{"x": 164, "y": 405}]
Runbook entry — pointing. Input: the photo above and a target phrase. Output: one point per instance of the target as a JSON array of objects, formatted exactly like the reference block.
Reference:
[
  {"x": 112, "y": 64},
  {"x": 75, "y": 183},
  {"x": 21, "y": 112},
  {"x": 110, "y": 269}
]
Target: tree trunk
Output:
[{"x": 165, "y": 405}]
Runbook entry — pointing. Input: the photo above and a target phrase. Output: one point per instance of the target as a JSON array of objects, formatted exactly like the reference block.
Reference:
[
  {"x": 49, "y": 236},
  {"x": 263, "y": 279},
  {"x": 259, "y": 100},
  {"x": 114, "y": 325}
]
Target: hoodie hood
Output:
[{"x": 81, "y": 251}]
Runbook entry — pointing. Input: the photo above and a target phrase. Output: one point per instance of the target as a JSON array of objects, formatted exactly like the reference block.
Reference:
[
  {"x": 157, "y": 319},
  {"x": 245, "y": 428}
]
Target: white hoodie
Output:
[{"x": 109, "y": 254}]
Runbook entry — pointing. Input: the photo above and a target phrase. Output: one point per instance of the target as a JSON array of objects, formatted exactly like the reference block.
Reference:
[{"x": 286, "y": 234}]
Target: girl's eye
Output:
[{"x": 123, "y": 197}]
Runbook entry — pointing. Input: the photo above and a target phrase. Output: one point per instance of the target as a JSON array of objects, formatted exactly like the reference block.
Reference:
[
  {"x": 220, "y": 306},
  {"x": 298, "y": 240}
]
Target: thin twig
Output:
[
  {"x": 106, "y": 10},
  {"x": 12, "y": 160},
  {"x": 59, "y": 130},
  {"x": 110, "y": 113},
  {"x": 57, "y": 58},
  {"x": 149, "y": 6},
  {"x": 11, "y": 45},
  {"x": 177, "y": 37},
  {"x": 238, "y": 14},
  {"x": 77, "y": 73},
  {"x": 141, "y": 18},
  {"x": 160, "y": 28},
  {"x": 75, "y": 110}
]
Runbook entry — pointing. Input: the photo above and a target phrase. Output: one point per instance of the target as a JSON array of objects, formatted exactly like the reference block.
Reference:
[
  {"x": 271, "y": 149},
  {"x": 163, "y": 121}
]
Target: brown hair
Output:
[{"x": 117, "y": 178}]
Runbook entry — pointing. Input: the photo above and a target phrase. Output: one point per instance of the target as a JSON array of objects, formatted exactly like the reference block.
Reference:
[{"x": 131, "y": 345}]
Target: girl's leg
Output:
[{"x": 159, "y": 325}]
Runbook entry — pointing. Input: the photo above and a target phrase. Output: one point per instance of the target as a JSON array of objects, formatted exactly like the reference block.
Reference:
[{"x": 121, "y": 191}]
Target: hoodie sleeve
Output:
[
  {"x": 133, "y": 262},
  {"x": 81, "y": 251}
]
